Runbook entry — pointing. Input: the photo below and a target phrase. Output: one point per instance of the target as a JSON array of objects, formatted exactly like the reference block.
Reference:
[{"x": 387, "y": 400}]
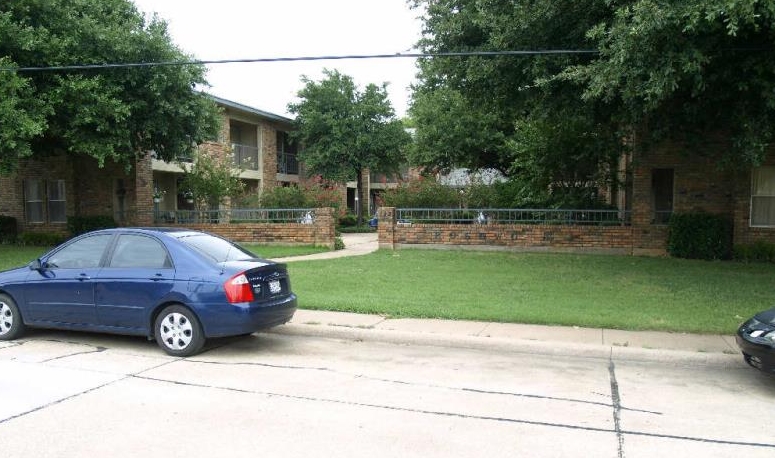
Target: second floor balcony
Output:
[
  {"x": 245, "y": 156},
  {"x": 287, "y": 164}
]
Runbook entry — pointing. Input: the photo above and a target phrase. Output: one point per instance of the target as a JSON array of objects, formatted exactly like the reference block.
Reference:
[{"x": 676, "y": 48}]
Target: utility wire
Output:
[{"x": 297, "y": 59}]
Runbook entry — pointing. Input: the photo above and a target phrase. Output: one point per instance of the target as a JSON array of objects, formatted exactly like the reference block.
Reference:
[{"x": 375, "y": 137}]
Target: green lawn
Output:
[
  {"x": 17, "y": 256},
  {"x": 577, "y": 290}
]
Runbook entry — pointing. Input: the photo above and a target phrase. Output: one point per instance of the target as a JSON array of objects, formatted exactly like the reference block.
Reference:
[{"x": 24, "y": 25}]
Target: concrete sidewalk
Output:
[
  {"x": 354, "y": 245},
  {"x": 485, "y": 333},
  {"x": 473, "y": 333}
]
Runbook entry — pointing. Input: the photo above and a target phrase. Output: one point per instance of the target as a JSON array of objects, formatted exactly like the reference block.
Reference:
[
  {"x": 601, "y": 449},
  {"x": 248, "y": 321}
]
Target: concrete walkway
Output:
[
  {"x": 340, "y": 324},
  {"x": 354, "y": 245}
]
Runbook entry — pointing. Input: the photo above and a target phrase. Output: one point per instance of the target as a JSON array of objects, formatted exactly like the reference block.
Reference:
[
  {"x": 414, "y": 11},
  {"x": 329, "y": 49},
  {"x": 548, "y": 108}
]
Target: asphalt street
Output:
[{"x": 321, "y": 390}]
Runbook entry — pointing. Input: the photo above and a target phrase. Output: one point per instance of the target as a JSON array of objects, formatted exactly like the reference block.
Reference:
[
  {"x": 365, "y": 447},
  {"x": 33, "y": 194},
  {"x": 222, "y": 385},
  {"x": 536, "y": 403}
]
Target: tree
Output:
[
  {"x": 675, "y": 70},
  {"x": 684, "y": 69},
  {"x": 210, "y": 179},
  {"x": 345, "y": 131},
  {"x": 505, "y": 112},
  {"x": 108, "y": 113}
]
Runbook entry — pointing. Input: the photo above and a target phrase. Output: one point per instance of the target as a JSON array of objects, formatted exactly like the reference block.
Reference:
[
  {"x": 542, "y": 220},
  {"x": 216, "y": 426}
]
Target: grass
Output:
[
  {"x": 574, "y": 290},
  {"x": 617, "y": 292},
  {"x": 17, "y": 256}
]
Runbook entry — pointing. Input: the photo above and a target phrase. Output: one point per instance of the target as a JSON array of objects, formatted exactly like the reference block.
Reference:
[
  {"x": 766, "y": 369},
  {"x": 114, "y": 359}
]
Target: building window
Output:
[
  {"x": 43, "y": 198},
  {"x": 662, "y": 189},
  {"x": 763, "y": 196},
  {"x": 57, "y": 205},
  {"x": 34, "y": 191}
]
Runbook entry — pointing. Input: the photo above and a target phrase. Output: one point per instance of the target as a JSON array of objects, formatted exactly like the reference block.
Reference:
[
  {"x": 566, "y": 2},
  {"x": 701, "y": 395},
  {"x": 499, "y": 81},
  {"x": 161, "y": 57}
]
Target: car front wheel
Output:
[
  {"x": 11, "y": 324},
  {"x": 178, "y": 331}
]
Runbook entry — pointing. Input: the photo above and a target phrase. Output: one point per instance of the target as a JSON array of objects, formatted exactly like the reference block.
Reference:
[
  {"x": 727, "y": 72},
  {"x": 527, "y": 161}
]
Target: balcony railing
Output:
[
  {"x": 287, "y": 163},
  {"x": 245, "y": 157}
]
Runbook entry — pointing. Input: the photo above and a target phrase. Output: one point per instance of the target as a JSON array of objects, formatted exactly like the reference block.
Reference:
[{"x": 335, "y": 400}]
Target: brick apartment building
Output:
[
  {"x": 659, "y": 182},
  {"x": 44, "y": 192},
  {"x": 665, "y": 180}
]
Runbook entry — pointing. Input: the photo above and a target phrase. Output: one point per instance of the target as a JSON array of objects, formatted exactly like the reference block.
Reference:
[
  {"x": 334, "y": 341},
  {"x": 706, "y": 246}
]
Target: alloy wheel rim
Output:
[
  {"x": 176, "y": 331},
  {"x": 6, "y": 318}
]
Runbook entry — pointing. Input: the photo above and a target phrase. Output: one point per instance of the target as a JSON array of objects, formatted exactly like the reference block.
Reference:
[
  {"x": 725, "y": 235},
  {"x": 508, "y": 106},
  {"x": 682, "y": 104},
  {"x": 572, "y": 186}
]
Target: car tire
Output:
[
  {"x": 178, "y": 331},
  {"x": 11, "y": 323}
]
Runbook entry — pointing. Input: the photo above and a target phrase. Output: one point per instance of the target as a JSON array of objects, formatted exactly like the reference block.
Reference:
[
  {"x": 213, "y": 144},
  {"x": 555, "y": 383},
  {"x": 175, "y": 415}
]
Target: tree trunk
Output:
[{"x": 359, "y": 197}]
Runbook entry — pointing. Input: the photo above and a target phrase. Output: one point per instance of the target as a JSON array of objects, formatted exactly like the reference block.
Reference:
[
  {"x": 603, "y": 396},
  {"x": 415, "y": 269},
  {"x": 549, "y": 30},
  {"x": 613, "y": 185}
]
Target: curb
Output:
[{"x": 520, "y": 346}]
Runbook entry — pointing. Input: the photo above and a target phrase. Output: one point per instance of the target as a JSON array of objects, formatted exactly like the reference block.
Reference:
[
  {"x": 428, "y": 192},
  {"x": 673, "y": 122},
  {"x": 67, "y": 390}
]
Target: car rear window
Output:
[{"x": 217, "y": 248}]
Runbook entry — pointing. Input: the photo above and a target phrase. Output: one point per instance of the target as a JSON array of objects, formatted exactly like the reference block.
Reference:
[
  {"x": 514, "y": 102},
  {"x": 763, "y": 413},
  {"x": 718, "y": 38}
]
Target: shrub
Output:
[
  {"x": 8, "y": 229},
  {"x": 316, "y": 193},
  {"x": 759, "y": 251},
  {"x": 347, "y": 220},
  {"x": 41, "y": 238},
  {"x": 699, "y": 236},
  {"x": 422, "y": 193},
  {"x": 81, "y": 224},
  {"x": 338, "y": 243}
]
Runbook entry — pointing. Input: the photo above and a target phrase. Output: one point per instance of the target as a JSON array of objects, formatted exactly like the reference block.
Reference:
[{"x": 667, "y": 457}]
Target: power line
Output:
[{"x": 300, "y": 58}]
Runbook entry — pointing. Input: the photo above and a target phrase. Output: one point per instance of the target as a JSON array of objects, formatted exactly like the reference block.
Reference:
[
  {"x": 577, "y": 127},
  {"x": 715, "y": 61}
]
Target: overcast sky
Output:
[{"x": 244, "y": 29}]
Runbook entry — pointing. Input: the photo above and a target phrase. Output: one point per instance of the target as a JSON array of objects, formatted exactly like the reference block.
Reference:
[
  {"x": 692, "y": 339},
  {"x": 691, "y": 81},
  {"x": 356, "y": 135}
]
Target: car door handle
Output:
[
  {"x": 83, "y": 277},
  {"x": 157, "y": 277}
]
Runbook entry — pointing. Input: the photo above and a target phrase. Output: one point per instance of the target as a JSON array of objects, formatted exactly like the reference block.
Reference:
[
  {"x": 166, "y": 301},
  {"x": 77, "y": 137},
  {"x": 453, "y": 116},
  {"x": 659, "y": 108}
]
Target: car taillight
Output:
[{"x": 238, "y": 289}]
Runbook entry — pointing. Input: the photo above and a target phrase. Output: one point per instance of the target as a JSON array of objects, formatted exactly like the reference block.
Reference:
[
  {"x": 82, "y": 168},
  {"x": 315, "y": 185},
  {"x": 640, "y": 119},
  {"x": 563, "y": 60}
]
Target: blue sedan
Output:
[{"x": 175, "y": 285}]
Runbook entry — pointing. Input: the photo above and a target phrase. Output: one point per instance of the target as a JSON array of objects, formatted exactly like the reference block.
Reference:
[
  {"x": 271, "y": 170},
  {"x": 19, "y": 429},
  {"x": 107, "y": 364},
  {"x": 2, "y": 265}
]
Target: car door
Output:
[
  {"x": 62, "y": 290},
  {"x": 137, "y": 275}
]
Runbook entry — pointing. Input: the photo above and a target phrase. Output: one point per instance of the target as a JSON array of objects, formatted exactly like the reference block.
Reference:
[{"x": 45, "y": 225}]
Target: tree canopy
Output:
[
  {"x": 107, "y": 113},
  {"x": 344, "y": 130},
  {"x": 677, "y": 69}
]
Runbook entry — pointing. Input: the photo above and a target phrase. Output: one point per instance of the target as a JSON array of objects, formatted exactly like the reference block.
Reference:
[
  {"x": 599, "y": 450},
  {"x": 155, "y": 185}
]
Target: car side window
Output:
[
  {"x": 139, "y": 251},
  {"x": 83, "y": 253}
]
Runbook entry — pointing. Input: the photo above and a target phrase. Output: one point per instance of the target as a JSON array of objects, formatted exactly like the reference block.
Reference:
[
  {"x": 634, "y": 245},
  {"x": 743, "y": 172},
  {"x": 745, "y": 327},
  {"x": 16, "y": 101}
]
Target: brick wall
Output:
[
  {"x": 528, "y": 237},
  {"x": 320, "y": 233}
]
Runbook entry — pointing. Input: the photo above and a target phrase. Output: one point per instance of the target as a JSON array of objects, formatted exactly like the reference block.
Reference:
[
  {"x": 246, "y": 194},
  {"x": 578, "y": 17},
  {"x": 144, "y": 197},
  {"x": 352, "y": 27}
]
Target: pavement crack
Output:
[
  {"x": 425, "y": 385},
  {"x": 617, "y": 407},
  {"x": 383, "y": 406},
  {"x": 449, "y": 414},
  {"x": 96, "y": 349}
]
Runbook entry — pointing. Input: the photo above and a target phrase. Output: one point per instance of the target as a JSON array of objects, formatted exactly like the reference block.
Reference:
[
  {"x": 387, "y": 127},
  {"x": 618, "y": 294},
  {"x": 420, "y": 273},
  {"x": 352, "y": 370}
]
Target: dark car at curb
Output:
[
  {"x": 177, "y": 286},
  {"x": 756, "y": 339}
]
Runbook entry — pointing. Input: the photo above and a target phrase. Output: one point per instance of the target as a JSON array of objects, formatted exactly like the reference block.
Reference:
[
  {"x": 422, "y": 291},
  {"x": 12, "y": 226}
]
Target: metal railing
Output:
[
  {"x": 513, "y": 216},
  {"x": 235, "y": 216},
  {"x": 245, "y": 157},
  {"x": 287, "y": 163}
]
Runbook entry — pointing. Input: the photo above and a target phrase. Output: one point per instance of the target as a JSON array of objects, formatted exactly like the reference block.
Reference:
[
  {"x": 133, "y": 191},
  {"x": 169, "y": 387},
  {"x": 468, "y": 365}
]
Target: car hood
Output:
[{"x": 767, "y": 316}]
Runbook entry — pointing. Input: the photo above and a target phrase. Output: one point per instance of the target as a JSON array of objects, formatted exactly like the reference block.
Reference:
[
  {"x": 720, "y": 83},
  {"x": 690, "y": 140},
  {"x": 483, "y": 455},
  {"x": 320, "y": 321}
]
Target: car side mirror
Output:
[{"x": 37, "y": 265}]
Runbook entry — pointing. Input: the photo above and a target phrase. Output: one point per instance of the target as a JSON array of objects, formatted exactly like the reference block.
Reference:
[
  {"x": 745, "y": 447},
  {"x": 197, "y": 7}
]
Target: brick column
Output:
[
  {"x": 325, "y": 231},
  {"x": 141, "y": 204},
  {"x": 386, "y": 229},
  {"x": 268, "y": 145}
]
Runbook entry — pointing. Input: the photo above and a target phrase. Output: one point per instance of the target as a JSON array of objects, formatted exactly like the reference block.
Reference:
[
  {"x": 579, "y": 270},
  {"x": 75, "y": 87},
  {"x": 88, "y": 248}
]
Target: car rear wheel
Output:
[
  {"x": 11, "y": 324},
  {"x": 178, "y": 331}
]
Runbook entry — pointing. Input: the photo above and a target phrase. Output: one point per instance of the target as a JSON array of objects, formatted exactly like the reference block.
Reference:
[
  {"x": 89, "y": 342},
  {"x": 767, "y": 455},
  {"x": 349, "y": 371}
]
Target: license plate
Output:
[{"x": 274, "y": 287}]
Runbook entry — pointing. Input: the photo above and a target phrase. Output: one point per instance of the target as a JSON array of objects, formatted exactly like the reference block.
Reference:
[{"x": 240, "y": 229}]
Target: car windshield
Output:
[{"x": 217, "y": 248}]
